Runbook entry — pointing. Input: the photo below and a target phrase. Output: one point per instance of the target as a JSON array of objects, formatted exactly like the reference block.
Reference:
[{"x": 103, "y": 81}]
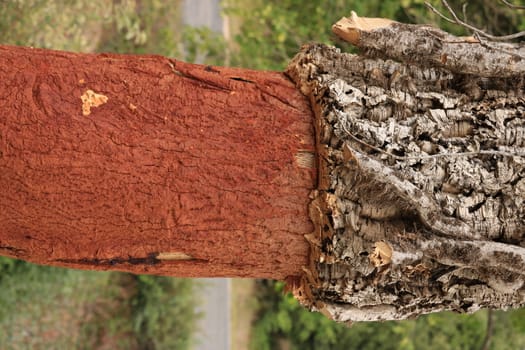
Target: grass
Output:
[
  {"x": 125, "y": 26},
  {"x": 57, "y": 24},
  {"x": 43, "y": 307},
  {"x": 243, "y": 312},
  {"x": 53, "y": 308}
]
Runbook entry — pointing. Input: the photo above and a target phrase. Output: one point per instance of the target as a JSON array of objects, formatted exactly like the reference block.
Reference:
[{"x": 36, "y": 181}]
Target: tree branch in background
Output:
[
  {"x": 455, "y": 19},
  {"x": 512, "y": 6}
]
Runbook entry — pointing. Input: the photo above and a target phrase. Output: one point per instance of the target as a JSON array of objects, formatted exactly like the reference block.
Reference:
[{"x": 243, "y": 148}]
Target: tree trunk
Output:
[
  {"x": 420, "y": 204},
  {"x": 145, "y": 164},
  {"x": 150, "y": 165}
]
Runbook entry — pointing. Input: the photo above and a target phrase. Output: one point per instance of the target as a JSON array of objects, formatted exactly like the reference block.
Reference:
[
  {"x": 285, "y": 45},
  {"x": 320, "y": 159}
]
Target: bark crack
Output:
[
  {"x": 150, "y": 259},
  {"x": 211, "y": 83}
]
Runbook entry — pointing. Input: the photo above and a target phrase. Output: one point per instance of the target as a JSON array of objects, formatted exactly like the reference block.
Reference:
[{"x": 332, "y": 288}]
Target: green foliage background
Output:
[
  {"x": 282, "y": 323},
  {"x": 43, "y": 307},
  {"x": 156, "y": 312},
  {"x": 272, "y": 31}
]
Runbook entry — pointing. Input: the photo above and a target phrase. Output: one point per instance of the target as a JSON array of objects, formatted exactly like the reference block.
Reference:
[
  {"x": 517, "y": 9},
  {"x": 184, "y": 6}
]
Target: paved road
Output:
[
  {"x": 215, "y": 325},
  {"x": 203, "y": 13},
  {"x": 214, "y": 333}
]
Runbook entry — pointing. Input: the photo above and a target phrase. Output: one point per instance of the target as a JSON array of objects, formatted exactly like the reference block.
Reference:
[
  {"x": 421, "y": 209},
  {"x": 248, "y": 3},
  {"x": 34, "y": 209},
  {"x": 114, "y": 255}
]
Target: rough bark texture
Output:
[
  {"x": 420, "y": 204},
  {"x": 150, "y": 165},
  {"x": 425, "y": 45}
]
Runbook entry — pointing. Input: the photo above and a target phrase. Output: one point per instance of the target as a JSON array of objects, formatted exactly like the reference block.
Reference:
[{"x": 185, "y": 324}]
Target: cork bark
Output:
[
  {"x": 150, "y": 165},
  {"x": 424, "y": 45},
  {"x": 420, "y": 205}
]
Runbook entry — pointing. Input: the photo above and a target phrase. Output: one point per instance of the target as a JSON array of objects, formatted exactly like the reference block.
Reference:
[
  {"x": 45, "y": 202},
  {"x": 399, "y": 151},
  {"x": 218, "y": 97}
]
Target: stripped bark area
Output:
[
  {"x": 151, "y": 165},
  {"x": 420, "y": 205}
]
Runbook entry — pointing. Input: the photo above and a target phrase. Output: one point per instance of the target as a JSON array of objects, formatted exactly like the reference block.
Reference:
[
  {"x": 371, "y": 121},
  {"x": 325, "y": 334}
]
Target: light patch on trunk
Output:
[
  {"x": 305, "y": 159},
  {"x": 349, "y": 29},
  {"x": 91, "y": 99},
  {"x": 382, "y": 254},
  {"x": 174, "y": 256}
]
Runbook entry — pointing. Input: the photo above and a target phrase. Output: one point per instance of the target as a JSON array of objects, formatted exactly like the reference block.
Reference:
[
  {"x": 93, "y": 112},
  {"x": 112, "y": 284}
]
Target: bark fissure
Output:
[
  {"x": 420, "y": 205},
  {"x": 151, "y": 259}
]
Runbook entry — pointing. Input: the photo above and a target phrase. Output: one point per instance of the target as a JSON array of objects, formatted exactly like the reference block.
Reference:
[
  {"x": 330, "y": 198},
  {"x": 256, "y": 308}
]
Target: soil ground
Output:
[{"x": 243, "y": 312}]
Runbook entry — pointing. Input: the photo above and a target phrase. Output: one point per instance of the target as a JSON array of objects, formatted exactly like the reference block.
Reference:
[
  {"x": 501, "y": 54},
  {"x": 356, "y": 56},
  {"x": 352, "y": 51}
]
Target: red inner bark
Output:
[{"x": 194, "y": 161}]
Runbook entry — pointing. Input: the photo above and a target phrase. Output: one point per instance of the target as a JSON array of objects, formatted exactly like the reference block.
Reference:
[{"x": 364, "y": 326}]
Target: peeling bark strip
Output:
[
  {"x": 150, "y": 165},
  {"x": 420, "y": 205}
]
